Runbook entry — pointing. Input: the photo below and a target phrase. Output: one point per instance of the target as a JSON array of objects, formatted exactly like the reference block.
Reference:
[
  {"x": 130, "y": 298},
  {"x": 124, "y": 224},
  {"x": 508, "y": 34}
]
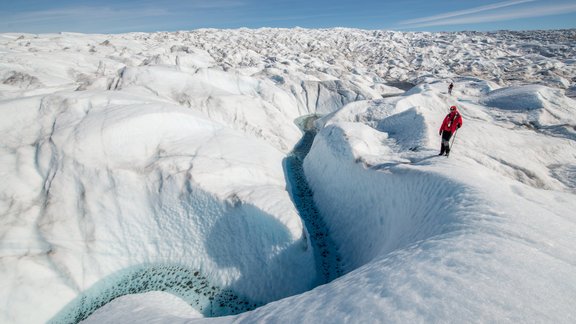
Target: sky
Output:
[{"x": 120, "y": 16}]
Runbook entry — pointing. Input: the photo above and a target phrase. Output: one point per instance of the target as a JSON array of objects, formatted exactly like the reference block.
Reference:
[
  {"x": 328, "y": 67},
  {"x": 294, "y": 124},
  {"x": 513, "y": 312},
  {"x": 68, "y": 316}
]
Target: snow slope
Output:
[
  {"x": 482, "y": 236},
  {"x": 140, "y": 163}
]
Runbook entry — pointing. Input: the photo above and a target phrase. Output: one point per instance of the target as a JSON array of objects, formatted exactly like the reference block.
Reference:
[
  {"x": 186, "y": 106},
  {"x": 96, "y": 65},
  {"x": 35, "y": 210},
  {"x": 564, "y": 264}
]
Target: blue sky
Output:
[{"x": 118, "y": 16}]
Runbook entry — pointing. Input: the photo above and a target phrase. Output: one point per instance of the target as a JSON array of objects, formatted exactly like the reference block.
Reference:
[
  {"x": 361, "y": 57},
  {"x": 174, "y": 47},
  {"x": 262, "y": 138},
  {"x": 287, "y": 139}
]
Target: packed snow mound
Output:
[
  {"x": 520, "y": 98},
  {"x": 253, "y": 106},
  {"x": 393, "y": 129},
  {"x": 547, "y": 107},
  {"x": 144, "y": 306},
  {"x": 379, "y": 232},
  {"x": 133, "y": 137}
]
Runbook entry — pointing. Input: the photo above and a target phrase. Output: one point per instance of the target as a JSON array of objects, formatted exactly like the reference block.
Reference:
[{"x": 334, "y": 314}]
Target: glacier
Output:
[{"x": 147, "y": 177}]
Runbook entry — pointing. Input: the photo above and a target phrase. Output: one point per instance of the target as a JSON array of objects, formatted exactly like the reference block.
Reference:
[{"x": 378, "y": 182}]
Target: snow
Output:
[
  {"x": 167, "y": 177},
  {"x": 548, "y": 107},
  {"x": 146, "y": 306}
]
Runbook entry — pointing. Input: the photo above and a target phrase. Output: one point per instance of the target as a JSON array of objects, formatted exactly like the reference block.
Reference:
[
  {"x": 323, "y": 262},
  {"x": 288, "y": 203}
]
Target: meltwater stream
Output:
[
  {"x": 328, "y": 261},
  {"x": 190, "y": 285}
]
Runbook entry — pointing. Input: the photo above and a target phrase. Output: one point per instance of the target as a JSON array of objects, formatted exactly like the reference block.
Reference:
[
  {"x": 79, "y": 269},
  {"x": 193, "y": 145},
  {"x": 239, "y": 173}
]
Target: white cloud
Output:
[
  {"x": 216, "y": 4},
  {"x": 539, "y": 11},
  {"x": 464, "y": 12},
  {"x": 145, "y": 9},
  {"x": 76, "y": 13}
]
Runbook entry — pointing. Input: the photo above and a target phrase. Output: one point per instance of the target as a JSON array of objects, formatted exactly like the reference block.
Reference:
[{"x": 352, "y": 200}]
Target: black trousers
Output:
[{"x": 445, "y": 147}]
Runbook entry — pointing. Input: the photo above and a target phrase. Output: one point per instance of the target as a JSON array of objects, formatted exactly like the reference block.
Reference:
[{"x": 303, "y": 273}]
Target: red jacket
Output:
[{"x": 451, "y": 122}]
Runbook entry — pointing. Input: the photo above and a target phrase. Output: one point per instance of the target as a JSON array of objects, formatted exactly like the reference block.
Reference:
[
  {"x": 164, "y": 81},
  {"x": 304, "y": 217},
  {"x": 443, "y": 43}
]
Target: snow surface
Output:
[{"x": 149, "y": 177}]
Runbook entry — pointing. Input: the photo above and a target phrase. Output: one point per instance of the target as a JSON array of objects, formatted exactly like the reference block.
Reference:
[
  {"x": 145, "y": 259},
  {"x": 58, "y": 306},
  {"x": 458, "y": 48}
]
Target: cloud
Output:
[
  {"x": 76, "y": 13},
  {"x": 177, "y": 5},
  {"x": 539, "y": 11},
  {"x": 108, "y": 17},
  {"x": 464, "y": 12},
  {"x": 220, "y": 4},
  {"x": 501, "y": 11}
]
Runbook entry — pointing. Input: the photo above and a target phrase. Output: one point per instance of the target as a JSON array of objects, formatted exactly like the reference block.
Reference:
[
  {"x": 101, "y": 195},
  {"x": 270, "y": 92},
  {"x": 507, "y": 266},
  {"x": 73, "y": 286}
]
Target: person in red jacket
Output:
[{"x": 451, "y": 123}]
